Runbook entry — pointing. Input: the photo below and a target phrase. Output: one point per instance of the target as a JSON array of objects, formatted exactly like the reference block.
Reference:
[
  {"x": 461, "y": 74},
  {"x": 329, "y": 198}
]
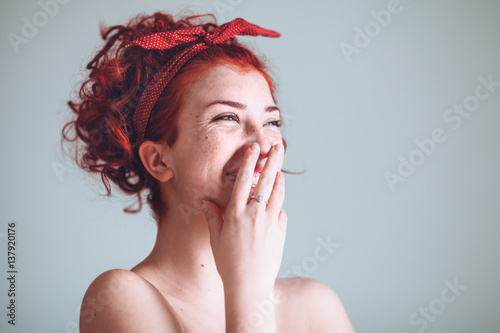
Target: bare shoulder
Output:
[
  {"x": 119, "y": 300},
  {"x": 311, "y": 303}
]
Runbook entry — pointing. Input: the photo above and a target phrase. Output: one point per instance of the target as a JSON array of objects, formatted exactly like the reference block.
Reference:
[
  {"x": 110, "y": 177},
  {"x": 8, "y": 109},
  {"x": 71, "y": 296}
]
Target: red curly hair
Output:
[{"x": 107, "y": 100}]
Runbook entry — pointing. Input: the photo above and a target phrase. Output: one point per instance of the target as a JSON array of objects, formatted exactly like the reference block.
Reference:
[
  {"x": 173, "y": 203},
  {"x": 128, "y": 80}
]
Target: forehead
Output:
[{"x": 228, "y": 82}]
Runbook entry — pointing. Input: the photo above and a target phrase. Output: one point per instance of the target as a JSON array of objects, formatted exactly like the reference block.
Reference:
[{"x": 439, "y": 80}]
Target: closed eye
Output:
[
  {"x": 225, "y": 117},
  {"x": 230, "y": 117},
  {"x": 276, "y": 123}
]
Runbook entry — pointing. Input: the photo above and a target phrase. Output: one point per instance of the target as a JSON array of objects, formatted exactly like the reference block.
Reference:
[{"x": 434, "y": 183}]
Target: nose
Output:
[{"x": 265, "y": 142}]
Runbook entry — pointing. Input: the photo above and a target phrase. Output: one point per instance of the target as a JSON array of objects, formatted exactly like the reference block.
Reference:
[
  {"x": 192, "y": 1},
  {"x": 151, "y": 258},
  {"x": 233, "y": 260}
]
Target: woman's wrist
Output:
[{"x": 249, "y": 309}]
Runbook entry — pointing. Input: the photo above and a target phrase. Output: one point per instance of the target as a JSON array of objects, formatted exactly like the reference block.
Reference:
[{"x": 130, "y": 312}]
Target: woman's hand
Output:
[{"x": 248, "y": 243}]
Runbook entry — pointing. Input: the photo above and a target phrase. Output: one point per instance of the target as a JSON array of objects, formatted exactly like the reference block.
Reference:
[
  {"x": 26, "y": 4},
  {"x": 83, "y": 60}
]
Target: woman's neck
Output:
[{"x": 181, "y": 263}]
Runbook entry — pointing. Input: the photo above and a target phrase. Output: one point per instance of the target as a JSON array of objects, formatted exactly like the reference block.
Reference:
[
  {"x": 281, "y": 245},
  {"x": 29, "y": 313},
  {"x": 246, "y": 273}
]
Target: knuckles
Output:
[
  {"x": 265, "y": 179},
  {"x": 245, "y": 176},
  {"x": 282, "y": 216}
]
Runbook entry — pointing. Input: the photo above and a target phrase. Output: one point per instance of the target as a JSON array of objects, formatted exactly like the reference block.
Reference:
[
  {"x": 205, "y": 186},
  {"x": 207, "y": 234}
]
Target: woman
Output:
[{"x": 182, "y": 110}]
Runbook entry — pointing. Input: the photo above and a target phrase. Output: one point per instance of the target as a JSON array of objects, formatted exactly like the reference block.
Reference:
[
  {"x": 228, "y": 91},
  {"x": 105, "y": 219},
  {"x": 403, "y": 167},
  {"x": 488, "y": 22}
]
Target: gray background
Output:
[{"x": 346, "y": 124}]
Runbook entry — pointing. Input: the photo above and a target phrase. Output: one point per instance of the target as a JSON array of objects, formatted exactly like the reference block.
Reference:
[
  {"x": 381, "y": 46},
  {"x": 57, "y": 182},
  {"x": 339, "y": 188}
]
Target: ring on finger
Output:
[{"x": 259, "y": 198}]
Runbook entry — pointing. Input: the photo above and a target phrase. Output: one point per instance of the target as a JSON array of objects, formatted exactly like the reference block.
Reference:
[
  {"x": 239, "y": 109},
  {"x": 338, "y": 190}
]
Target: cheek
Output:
[
  {"x": 274, "y": 135},
  {"x": 212, "y": 153},
  {"x": 210, "y": 159},
  {"x": 205, "y": 156}
]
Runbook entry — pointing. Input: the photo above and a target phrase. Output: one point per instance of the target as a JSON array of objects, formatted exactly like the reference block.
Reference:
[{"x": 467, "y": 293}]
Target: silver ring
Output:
[{"x": 259, "y": 198}]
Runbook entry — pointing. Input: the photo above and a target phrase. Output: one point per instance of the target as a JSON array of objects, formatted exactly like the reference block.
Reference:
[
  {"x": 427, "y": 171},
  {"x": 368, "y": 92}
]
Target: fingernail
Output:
[
  {"x": 254, "y": 147},
  {"x": 278, "y": 148},
  {"x": 204, "y": 206}
]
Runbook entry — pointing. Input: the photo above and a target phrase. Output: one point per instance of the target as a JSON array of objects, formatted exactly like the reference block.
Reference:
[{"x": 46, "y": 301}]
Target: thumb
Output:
[{"x": 214, "y": 220}]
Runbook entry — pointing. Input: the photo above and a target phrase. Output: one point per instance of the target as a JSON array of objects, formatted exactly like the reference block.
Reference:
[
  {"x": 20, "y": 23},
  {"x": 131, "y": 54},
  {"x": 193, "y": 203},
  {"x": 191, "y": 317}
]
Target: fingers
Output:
[
  {"x": 243, "y": 181},
  {"x": 214, "y": 220},
  {"x": 283, "y": 218},
  {"x": 277, "y": 197},
  {"x": 268, "y": 176}
]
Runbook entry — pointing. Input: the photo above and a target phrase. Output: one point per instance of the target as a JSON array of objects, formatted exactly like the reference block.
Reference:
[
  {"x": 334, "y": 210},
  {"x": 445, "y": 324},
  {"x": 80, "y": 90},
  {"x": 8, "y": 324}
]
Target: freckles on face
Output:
[
  {"x": 212, "y": 138},
  {"x": 198, "y": 159}
]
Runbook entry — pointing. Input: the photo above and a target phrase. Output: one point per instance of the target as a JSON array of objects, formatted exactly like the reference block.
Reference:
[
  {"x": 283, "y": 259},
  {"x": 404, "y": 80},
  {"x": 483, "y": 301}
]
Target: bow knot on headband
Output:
[
  {"x": 196, "y": 39},
  {"x": 206, "y": 39}
]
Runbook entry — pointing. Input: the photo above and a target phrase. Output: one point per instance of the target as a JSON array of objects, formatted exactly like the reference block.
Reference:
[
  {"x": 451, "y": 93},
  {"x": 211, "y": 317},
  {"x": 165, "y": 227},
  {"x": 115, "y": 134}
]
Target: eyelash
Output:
[{"x": 276, "y": 123}]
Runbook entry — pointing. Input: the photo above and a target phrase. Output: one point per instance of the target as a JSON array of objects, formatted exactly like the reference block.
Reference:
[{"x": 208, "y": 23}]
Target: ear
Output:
[{"x": 153, "y": 156}]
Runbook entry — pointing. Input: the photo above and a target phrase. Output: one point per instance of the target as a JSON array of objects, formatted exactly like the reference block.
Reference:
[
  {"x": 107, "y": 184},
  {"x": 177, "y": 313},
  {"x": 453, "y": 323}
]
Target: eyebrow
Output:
[{"x": 240, "y": 106}]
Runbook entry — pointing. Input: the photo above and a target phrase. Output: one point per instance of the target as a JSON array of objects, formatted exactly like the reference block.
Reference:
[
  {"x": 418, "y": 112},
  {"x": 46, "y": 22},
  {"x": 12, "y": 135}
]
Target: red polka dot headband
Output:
[{"x": 169, "y": 39}]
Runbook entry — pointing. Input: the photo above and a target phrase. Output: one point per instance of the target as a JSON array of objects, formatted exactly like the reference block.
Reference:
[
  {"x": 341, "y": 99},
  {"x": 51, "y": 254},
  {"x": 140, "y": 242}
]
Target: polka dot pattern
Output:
[{"x": 169, "y": 39}]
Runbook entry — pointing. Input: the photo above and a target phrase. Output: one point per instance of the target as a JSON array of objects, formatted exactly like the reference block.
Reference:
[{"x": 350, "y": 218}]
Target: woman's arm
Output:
[
  {"x": 121, "y": 301},
  {"x": 247, "y": 242},
  {"x": 249, "y": 309}
]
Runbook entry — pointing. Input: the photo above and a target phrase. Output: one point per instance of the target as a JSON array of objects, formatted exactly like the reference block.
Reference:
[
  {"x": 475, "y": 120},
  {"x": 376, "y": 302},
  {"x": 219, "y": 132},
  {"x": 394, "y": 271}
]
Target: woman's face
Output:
[{"x": 221, "y": 115}]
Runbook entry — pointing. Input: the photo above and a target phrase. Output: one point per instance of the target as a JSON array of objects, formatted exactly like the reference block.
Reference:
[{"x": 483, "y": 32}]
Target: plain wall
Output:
[{"x": 350, "y": 120}]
